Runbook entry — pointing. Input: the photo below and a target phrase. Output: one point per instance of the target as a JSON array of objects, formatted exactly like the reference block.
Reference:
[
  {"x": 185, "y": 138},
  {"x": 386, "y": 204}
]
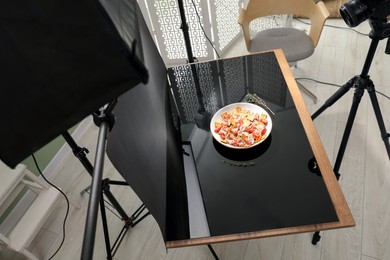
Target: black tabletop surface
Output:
[{"x": 266, "y": 187}]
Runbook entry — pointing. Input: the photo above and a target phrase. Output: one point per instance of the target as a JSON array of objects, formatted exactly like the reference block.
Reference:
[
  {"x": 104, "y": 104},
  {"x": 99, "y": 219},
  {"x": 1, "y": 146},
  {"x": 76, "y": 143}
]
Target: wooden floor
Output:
[{"x": 365, "y": 176}]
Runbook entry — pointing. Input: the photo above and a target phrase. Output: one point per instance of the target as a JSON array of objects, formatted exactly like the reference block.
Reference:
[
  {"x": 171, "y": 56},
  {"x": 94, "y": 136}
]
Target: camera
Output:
[{"x": 357, "y": 11}]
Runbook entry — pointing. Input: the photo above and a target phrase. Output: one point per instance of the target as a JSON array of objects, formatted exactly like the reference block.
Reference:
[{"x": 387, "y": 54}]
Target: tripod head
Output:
[{"x": 380, "y": 28}]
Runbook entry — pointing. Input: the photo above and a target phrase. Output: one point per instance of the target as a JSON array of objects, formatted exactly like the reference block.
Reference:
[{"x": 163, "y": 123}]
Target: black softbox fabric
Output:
[{"x": 60, "y": 61}]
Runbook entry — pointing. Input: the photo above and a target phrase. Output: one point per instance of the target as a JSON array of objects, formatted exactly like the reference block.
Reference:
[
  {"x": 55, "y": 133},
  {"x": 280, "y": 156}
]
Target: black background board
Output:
[
  {"x": 144, "y": 144},
  {"x": 61, "y": 61}
]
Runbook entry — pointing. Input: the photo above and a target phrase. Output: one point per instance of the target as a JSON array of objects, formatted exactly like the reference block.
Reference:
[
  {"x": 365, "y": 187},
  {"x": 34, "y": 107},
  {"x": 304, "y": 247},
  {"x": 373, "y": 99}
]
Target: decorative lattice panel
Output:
[
  {"x": 168, "y": 17},
  {"x": 226, "y": 17},
  {"x": 274, "y": 21},
  {"x": 234, "y": 79},
  {"x": 187, "y": 92},
  {"x": 271, "y": 88},
  {"x": 206, "y": 85},
  {"x": 188, "y": 99}
]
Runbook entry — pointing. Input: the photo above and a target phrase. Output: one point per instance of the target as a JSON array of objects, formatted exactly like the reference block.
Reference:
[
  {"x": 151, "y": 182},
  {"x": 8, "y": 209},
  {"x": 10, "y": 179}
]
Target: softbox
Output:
[{"x": 61, "y": 61}]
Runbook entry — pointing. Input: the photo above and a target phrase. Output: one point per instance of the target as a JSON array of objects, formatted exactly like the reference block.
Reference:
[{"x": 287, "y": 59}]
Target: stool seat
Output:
[{"x": 296, "y": 44}]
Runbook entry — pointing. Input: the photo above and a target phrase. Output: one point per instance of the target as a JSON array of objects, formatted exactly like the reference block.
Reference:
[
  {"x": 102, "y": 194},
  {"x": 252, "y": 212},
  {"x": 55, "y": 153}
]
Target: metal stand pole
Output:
[
  {"x": 202, "y": 119},
  {"x": 96, "y": 189},
  {"x": 105, "y": 121}
]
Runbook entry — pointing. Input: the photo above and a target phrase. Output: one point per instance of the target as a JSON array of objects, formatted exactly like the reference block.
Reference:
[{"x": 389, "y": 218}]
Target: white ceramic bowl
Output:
[{"x": 247, "y": 106}]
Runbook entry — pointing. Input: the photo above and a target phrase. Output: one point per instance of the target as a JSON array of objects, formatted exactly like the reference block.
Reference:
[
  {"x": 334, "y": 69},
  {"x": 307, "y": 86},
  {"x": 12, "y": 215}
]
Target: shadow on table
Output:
[{"x": 243, "y": 154}]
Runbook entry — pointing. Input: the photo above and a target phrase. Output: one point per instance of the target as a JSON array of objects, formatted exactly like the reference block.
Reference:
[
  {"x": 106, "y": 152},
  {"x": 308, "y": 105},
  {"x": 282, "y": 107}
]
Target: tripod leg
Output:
[
  {"x": 113, "y": 201},
  {"x": 213, "y": 252},
  {"x": 352, "y": 114},
  {"x": 85, "y": 190},
  {"x": 105, "y": 228},
  {"x": 379, "y": 118},
  {"x": 316, "y": 238},
  {"x": 123, "y": 183},
  {"x": 336, "y": 96},
  {"x": 356, "y": 100}
]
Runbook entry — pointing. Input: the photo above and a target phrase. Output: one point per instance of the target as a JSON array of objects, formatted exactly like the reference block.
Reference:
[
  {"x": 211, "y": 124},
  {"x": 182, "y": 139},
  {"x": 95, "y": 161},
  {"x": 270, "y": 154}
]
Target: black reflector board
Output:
[{"x": 144, "y": 144}]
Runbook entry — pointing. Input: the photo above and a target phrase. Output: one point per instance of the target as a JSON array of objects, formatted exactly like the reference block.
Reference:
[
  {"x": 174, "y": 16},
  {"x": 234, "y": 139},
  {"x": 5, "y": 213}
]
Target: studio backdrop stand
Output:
[
  {"x": 380, "y": 30},
  {"x": 202, "y": 118},
  {"x": 104, "y": 119}
]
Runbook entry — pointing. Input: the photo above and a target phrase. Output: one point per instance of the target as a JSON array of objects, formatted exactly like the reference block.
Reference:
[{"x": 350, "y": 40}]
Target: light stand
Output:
[
  {"x": 105, "y": 120},
  {"x": 202, "y": 119},
  {"x": 380, "y": 30}
]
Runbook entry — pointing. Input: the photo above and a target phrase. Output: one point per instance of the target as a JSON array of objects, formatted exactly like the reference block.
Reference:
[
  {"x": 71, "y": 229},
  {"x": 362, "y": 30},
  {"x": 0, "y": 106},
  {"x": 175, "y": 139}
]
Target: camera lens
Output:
[{"x": 354, "y": 12}]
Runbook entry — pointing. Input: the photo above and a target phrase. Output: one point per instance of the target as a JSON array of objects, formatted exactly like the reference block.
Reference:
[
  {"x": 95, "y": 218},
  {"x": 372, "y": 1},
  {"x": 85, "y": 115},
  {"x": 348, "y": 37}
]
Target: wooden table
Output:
[{"x": 219, "y": 90}]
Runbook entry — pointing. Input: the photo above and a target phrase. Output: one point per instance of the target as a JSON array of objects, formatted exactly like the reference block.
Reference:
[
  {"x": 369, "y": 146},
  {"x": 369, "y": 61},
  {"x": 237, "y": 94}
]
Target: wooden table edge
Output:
[
  {"x": 255, "y": 235},
  {"x": 342, "y": 209}
]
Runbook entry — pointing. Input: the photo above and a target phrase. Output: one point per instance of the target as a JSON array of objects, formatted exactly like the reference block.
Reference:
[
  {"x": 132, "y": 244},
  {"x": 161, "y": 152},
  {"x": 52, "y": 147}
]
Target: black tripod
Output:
[
  {"x": 380, "y": 30},
  {"x": 105, "y": 120}
]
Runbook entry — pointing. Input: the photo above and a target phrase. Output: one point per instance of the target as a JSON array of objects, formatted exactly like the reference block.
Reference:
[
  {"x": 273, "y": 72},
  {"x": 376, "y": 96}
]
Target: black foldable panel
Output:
[
  {"x": 61, "y": 61},
  {"x": 144, "y": 144}
]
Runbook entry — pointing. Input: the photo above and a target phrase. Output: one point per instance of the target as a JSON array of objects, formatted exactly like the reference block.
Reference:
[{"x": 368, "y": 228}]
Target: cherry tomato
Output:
[
  {"x": 264, "y": 121},
  {"x": 234, "y": 131}
]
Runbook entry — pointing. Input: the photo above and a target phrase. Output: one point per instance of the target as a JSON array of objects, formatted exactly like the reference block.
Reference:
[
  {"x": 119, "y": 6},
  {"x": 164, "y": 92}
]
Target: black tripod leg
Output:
[
  {"x": 316, "y": 238},
  {"x": 213, "y": 252},
  {"x": 134, "y": 218},
  {"x": 336, "y": 96},
  {"x": 123, "y": 183},
  {"x": 356, "y": 100},
  {"x": 113, "y": 201},
  {"x": 105, "y": 227},
  {"x": 379, "y": 118},
  {"x": 352, "y": 114}
]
